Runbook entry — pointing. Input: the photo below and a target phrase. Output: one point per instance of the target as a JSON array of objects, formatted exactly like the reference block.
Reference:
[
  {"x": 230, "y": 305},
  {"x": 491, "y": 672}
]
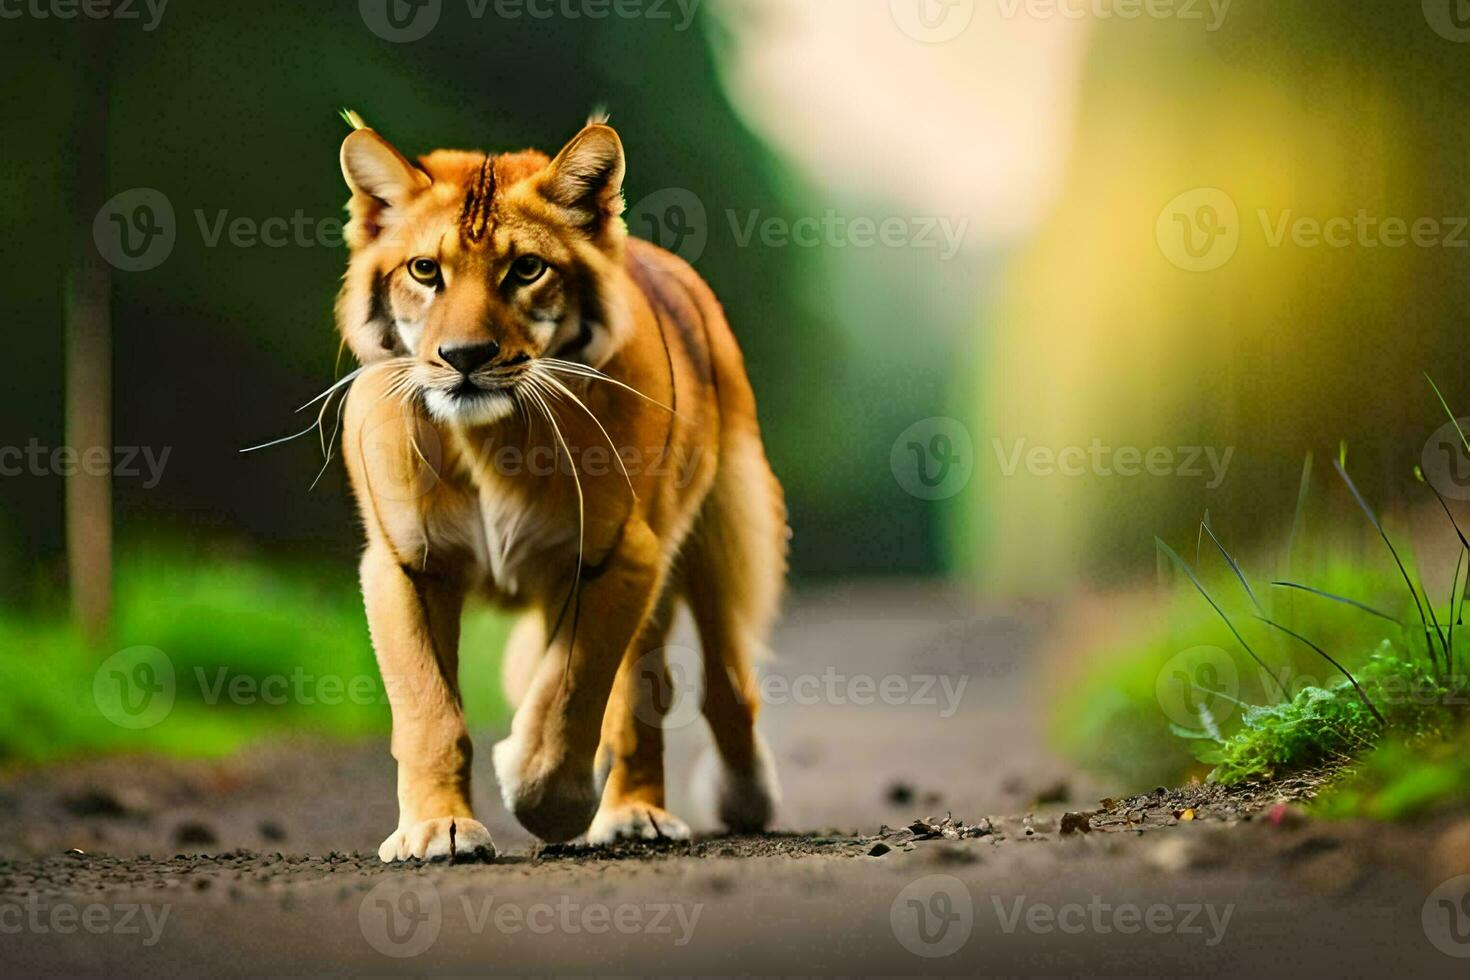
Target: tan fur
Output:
[{"x": 478, "y": 495}]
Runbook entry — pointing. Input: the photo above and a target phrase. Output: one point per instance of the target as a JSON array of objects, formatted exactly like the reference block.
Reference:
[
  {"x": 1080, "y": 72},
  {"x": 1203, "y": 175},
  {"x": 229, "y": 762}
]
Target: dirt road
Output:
[{"x": 884, "y": 706}]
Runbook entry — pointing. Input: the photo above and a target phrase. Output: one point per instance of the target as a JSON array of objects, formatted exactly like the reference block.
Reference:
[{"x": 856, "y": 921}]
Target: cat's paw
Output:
[
  {"x": 635, "y": 821},
  {"x": 556, "y": 803},
  {"x": 744, "y": 802},
  {"x": 440, "y": 837}
]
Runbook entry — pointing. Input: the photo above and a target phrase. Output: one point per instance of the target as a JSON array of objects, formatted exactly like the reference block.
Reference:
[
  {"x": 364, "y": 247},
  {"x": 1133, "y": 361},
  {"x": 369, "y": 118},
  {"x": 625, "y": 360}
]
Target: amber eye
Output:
[
  {"x": 424, "y": 270},
  {"x": 527, "y": 269}
]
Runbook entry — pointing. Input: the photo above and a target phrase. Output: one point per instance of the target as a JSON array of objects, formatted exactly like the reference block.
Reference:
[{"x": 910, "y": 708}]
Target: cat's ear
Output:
[
  {"x": 586, "y": 178},
  {"x": 374, "y": 169}
]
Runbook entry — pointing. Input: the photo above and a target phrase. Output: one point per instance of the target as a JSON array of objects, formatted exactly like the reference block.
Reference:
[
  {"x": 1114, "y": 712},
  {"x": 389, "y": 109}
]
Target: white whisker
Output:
[
  {"x": 592, "y": 374},
  {"x": 276, "y": 442},
  {"x": 322, "y": 432},
  {"x": 344, "y": 380},
  {"x": 558, "y": 387},
  {"x": 581, "y": 505},
  {"x": 336, "y": 427},
  {"x": 337, "y": 385}
]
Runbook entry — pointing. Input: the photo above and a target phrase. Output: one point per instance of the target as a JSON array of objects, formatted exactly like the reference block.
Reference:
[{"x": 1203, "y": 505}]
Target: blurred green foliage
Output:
[
  {"x": 1403, "y": 779},
  {"x": 1296, "y": 110},
  {"x": 253, "y": 650}
]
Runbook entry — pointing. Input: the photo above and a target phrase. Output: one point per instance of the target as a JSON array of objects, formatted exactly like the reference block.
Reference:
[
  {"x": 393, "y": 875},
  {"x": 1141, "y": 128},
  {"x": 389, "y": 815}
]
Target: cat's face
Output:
[{"x": 469, "y": 268}]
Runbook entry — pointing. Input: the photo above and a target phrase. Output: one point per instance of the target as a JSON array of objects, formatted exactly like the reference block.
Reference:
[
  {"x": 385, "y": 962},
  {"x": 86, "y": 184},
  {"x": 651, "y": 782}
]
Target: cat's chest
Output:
[{"x": 521, "y": 539}]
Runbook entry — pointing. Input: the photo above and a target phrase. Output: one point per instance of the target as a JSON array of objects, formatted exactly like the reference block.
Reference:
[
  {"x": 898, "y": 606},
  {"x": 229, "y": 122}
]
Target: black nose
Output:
[{"x": 467, "y": 358}]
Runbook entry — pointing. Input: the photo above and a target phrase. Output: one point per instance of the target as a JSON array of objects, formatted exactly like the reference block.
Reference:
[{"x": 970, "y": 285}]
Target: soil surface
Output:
[{"x": 926, "y": 831}]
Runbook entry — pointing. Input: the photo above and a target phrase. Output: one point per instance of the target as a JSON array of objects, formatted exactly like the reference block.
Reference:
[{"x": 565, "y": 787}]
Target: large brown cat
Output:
[{"x": 556, "y": 416}]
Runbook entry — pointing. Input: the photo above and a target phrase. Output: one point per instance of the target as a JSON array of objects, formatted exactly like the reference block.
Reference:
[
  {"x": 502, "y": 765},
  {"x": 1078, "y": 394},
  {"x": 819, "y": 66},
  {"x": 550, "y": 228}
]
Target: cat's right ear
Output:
[
  {"x": 380, "y": 179},
  {"x": 374, "y": 169}
]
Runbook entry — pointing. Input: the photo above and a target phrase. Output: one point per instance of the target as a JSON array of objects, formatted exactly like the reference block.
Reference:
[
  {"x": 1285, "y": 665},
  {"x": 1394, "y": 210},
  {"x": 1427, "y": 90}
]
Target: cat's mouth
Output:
[
  {"x": 481, "y": 383},
  {"x": 471, "y": 401},
  {"x": 468, "y": 388}
]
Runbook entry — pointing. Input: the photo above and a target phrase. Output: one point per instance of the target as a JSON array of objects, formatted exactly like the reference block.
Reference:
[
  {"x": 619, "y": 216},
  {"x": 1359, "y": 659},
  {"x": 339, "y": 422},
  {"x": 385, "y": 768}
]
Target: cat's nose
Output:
[{"x": 468, "y": 358}]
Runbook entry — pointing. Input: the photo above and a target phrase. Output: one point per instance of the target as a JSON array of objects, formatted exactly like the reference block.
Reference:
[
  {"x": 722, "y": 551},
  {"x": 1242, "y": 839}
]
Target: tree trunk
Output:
[{"x": 89, "y": 356}]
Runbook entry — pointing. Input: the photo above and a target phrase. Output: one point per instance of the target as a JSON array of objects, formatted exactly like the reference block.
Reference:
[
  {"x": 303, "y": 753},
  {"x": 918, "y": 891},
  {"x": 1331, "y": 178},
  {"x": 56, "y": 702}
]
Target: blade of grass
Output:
[
  {"x": 1454, "y": 584},
  {"x": 1301, "y": 508},
  {"x": 1243, "y": 705},
  {"x": 1449, "y": 653},
  {"x": 1337, "y": 598},
  {"x": 1343, "y": 670},
  {"x": 1448, "y": 411},
  {"x": 1298, "y": 520},
  {"x": 1184, "y": 566},
  {"x": 1464, "y": 544},
  {"x": 1459, "y": 611},
  {"x": 1234, "y": 567},
  {"x": 1373, "y": 519},
  {"x": 1419, "y": 475}
]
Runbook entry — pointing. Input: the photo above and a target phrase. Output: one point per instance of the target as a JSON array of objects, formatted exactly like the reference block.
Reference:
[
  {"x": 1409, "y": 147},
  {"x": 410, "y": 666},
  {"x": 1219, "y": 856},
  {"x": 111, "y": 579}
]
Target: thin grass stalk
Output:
[
  {"x": 1184, "y": 566},
  {"x": 1367, "y": 701},
  {"x": 1413, "y": 592}
]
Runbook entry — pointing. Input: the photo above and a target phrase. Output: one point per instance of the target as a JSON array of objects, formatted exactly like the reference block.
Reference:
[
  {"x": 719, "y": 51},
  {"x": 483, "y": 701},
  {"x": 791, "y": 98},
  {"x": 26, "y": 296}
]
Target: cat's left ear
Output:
[{"x": 586, "y": 178}]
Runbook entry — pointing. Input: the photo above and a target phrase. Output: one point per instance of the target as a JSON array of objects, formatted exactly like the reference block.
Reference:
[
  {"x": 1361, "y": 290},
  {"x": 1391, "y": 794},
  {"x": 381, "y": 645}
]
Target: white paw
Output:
[
  {"x": 743, "y": 802},
  {"x": 509, "y": 757},
  {"x": 635, "y": 821},
  {"x": 439, "y": 837},
  {"x": 555, "y": 804}
]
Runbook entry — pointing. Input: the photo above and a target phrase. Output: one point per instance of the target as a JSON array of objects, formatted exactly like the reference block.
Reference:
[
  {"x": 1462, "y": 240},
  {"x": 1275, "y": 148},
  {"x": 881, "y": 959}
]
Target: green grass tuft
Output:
[
  {"x": 254, "y": 650},
  {"x": 1322, "y": 725}
]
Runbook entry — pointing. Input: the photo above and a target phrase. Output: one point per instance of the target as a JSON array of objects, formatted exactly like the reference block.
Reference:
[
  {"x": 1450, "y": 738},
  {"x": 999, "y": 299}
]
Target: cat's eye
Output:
[
  {"x": 527, "y": 269},
  {"x": 425, "y": 270}
]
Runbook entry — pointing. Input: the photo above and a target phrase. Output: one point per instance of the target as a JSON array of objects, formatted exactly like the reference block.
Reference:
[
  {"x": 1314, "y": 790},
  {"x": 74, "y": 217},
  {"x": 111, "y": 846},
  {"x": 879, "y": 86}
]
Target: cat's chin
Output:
[{"x": 469, "y": 409}]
